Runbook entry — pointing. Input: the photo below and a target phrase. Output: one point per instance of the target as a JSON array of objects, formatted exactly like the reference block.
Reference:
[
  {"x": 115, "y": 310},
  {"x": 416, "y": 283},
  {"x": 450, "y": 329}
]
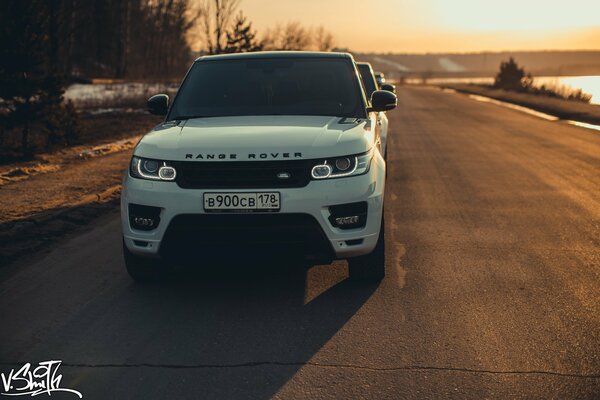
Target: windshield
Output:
[
  {"x": 278, "y": 86},
  {"x": 366, "y": 74}
]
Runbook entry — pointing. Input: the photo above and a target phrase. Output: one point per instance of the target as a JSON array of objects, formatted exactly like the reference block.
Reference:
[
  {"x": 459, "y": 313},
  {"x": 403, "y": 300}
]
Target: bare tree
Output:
[
  {"x": 291, "y": 36},
  {"x": 294, "y": 36},
  {"x": 213, "y": 18},
  {"x": 324, "y": 40},
  {"x": 270, "y": 38}
]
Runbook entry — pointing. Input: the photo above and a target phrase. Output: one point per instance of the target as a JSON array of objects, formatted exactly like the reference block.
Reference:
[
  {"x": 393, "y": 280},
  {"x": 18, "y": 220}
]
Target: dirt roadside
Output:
[
  {"x": 36, "y": 211},
  {"x": 60, "y": 192}
]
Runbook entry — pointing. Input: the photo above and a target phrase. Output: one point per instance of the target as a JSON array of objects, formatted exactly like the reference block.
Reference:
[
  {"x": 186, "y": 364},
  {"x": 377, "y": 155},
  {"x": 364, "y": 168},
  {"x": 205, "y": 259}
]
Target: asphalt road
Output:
[{"x": 492, "y": 286}]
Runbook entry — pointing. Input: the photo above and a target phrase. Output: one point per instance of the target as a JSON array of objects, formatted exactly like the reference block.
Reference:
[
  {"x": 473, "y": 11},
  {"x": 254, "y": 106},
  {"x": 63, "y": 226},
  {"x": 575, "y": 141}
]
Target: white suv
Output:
[{"x": 260, "y": 154}]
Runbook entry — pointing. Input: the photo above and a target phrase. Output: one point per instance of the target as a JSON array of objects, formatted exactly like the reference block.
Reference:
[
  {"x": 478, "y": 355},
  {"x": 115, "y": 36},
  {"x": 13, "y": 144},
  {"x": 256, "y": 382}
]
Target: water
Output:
[{"x": 589, "y": 84}]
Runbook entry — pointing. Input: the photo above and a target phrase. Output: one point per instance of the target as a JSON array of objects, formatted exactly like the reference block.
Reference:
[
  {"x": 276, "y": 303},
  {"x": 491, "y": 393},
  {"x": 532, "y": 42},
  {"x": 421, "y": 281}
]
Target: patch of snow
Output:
[
  {"x": 108, "y": 148},
  {"x": 450, "y": 66},
  {"x": 20, "y": 173},
  {"x": 526, "y": 110},
  {"x": 397, "y": 66},
  {"x": 82, "y": 91},
  {"x": 117, "y": 110},
  {"x": 55, "y": 161}
]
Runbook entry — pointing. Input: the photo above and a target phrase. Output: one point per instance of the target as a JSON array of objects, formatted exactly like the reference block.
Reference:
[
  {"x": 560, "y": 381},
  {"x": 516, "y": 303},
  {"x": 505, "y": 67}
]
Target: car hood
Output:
[{"x": 257, "y": 138}]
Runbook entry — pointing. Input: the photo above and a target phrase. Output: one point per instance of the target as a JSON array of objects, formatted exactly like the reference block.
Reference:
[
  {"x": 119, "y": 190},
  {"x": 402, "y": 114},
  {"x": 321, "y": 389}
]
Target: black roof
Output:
[
  {"x": 365, "y": 65},
  {"x": 275, "y": 54}
]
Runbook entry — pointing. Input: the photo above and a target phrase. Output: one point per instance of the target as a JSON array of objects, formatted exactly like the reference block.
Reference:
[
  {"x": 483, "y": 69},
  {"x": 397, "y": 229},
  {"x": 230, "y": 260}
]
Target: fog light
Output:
[
  {"x": 349, "y": 215},
  {"x": 144, "y": 222},
  {"x": 344, "y": 221},
  {"x": 143, "y": 218}
]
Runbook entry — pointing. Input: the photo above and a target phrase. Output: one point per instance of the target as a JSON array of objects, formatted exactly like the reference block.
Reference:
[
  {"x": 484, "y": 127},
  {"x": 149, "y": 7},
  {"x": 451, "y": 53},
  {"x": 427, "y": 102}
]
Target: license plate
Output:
[{"x": 261, "y": 201}]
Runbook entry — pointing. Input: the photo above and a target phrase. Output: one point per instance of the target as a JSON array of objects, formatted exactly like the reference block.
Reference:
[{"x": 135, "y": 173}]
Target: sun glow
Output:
[{"x": 441, "y": 25}]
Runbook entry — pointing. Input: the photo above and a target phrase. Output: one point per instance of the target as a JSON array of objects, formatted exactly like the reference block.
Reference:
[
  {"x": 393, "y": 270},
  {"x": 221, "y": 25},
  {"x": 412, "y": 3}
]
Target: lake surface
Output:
[{"x": 589, "y": 84}]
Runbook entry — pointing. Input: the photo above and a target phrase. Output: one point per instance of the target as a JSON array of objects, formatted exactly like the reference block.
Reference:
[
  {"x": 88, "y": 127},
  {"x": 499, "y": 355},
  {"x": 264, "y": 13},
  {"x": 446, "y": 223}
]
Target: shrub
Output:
[
  {"x": 512, "y": 77},
  {"x": 61, "y": 124}
]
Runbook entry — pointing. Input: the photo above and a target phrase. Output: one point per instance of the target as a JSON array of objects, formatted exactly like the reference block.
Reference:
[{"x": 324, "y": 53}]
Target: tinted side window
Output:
[{"x": 368, "y": 79}]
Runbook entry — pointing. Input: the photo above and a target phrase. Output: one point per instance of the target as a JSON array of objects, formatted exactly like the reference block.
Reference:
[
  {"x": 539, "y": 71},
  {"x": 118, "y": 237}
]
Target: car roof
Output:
[
  {"x": 275, "y": 54},
  {"x": 365, "y": 64}
]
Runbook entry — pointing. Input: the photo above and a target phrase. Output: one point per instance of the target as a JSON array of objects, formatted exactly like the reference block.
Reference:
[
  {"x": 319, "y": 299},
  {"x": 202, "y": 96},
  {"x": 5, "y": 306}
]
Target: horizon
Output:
[
  {"x": 507, "y": 51},
  {"x": 436, "y": 26}
]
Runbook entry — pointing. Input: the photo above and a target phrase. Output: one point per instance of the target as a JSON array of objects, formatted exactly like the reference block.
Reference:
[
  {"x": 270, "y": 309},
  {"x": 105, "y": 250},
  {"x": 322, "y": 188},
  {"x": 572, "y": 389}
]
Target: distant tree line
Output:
[
  {"x": 115, "y": 38},
  {"x": 44, "y": 44}
]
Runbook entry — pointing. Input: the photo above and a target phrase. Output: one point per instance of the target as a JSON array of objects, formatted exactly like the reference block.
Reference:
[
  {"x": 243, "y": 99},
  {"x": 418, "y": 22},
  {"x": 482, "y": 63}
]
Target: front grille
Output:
[
  {"x": 193, "y": 236},
  {"x": 242, "y": 174}
]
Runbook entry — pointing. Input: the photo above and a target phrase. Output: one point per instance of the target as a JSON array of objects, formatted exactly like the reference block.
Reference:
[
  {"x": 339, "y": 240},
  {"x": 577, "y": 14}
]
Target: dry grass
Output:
[
  {"x": 558, "y": 91},
  {"x": 93, "y": 129}
]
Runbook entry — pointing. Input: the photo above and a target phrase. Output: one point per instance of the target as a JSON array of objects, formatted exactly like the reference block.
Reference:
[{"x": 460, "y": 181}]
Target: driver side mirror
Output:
[
  {"x": 389, "y": 87},
  {"x": 158, "y": 104},
  {"x": 382, "y": 100}
]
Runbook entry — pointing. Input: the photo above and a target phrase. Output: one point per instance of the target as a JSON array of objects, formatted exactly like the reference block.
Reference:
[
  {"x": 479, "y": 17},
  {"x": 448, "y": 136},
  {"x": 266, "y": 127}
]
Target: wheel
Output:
[
  {"x": 370, "y": 267},
  {"x": 142, "y": 269}
]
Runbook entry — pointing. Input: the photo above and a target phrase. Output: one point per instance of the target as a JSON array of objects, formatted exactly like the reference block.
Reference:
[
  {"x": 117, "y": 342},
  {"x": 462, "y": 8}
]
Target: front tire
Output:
[
  {"x": 142, "y": 269},
  {"x": 370, "y": 267}
]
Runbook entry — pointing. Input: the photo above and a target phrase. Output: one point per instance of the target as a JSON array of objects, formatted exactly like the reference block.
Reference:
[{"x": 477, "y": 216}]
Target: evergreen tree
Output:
[
  {"x": 28, "y": 84},
  {"x": 241, "y": 38},
  {"x": 32, "y": 73},
  {"x": 511, "y": 76}
]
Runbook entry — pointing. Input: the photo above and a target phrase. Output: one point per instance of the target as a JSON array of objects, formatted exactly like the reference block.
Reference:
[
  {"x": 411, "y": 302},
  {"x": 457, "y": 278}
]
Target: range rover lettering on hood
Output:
[{"x": 250, "y": 156}]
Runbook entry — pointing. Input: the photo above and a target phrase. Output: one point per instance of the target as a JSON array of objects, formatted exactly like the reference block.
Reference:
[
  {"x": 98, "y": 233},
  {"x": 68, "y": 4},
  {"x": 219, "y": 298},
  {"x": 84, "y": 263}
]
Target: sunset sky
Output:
[{"x": 420, "y": 26}]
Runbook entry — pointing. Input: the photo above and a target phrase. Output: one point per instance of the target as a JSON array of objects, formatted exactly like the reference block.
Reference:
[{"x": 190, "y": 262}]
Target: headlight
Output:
[
  {"x": 340, "y": 167},
  {"x": 145, "y": 168}
]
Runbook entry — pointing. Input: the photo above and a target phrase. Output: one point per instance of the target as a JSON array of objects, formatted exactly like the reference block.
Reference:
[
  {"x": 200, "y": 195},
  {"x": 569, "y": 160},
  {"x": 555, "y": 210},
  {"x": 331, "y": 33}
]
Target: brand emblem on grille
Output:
[{"x": 284, "y": 175}]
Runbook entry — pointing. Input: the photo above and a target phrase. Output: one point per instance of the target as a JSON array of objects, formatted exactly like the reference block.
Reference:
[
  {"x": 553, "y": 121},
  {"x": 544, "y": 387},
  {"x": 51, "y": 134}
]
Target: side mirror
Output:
[
  {"x": 389, "y": 87},
  {"x": 158, "y": 104},
  {"x": 382, "y": 100}
]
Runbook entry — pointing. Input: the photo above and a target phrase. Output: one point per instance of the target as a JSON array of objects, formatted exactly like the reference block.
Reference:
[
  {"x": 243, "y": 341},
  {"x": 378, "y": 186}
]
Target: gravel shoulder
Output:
[{"x": 563, "y": 109}]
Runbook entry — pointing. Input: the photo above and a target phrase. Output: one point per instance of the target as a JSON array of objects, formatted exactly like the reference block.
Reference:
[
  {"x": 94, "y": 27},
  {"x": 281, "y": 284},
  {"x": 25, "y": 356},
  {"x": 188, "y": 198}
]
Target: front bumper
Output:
[{"x": 178, "y": 205}]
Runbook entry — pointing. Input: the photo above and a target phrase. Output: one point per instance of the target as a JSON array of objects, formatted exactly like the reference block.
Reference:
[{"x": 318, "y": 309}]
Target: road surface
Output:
[{"x": 492, "y": 286}]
